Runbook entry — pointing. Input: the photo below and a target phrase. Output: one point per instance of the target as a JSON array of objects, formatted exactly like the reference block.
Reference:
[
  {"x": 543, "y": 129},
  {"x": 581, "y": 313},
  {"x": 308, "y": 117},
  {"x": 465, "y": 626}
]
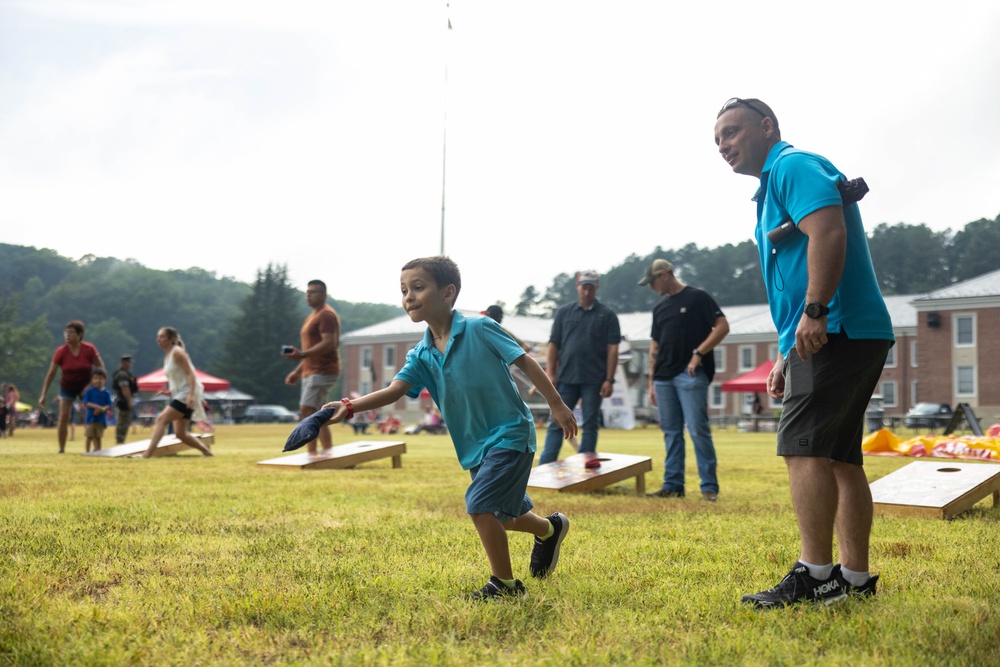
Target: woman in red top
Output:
[{"x": 77, "y": 361}]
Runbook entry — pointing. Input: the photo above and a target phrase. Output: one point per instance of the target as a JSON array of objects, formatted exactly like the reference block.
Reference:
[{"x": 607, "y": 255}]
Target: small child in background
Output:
[
  {"x": 464, "y": 364},
  {"x": 98, "y": 401}
]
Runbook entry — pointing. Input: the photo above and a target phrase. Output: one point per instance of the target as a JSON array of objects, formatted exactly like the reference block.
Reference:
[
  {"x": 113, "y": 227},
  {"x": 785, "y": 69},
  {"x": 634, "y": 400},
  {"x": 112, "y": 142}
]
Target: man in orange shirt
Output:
[{"x": 319, "y": 358}]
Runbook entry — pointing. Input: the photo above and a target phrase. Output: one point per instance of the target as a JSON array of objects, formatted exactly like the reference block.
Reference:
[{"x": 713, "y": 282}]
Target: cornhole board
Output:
[
  {"x": 168, "y": 446},
  {"x": 935, "y": 490},
  {"x": 571, "y": 474},
  {"x": 342, "y": 456}
]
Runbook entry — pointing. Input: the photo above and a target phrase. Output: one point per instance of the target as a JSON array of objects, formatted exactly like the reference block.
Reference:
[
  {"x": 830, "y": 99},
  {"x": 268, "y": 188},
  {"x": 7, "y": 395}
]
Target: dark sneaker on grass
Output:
[
  {"x": 545, "y": 553},
  {"x": 866, "y": 590},
  {"x": 663, "y": 493},
  {"x": 497, "y": 590},
  {"x": 798, "y": 586}
]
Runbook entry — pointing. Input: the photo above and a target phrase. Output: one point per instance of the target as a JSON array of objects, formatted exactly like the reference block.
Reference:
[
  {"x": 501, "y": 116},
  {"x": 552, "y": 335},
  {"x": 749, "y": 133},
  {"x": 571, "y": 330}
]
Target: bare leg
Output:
[
  {"x": 494, "y": 539},
  {"x": 168, "y": 415},
  {"x": 97, "y": 444},
  {"x": 854, "y": 515},
  {"x": 65, "y": 409},
  {"x": 181, "y": 431},
  {"x": 325, "y": 437},
  {"x": 529, "y": 522},
  {"x": 814, "y": 497}
]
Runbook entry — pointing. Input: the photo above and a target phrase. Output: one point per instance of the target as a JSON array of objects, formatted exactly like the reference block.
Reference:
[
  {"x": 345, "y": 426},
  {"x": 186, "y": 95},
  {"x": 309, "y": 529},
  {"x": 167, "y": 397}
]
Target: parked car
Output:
[
  {"x": 268, "y": 414},
  {"x": 928, "y": 415}
]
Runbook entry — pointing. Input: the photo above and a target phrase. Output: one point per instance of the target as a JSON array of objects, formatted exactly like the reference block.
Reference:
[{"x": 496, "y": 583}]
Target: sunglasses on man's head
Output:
[{"x": 735, "y": 102}]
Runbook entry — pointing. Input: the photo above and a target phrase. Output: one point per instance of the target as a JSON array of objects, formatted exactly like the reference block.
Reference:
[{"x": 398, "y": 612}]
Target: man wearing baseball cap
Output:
[
  {"x": 687, "y": 325},
  {"x": 581, "y": 361}
]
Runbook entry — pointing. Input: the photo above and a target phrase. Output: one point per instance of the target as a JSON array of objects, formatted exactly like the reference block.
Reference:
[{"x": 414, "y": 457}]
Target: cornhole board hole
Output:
[
  {"x": 168, "y": 446},
  {"x": 935, "y": 490},
  {"x": 572, "y": 473},
  {"x": 342, "y": 456}
]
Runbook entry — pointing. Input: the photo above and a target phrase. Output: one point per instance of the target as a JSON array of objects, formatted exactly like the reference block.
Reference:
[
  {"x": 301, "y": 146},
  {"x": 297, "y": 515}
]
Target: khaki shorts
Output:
[
  {"x": 93, "y": 430},
  {"x": 823, "y": 411},
  {"x": 316, "y": 389}
]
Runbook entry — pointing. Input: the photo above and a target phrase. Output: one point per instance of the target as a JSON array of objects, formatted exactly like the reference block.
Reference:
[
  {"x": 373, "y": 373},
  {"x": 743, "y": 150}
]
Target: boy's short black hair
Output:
[
  {"x": 443, "y": 270},
  {"x": 321, "y": 284},
  {"x": 99, "y": 371}
]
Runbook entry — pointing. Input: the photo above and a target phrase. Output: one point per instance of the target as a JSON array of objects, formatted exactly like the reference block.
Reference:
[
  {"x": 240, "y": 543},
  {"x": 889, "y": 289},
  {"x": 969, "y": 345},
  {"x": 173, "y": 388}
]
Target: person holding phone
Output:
[{"x": 319, "y": 358}]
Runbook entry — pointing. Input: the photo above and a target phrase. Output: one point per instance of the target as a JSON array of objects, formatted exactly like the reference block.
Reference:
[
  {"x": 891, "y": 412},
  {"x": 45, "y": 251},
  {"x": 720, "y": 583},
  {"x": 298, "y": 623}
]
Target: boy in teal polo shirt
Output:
[{"x": 464, "y": 364}]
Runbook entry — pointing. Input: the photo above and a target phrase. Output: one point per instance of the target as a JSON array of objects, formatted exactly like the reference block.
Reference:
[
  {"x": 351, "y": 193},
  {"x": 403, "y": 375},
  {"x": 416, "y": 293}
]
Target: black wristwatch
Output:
[
  {"x": 698, "y": 352},
  {"x": 816, "y": 310},
  {"x": 611, "y": 380}
]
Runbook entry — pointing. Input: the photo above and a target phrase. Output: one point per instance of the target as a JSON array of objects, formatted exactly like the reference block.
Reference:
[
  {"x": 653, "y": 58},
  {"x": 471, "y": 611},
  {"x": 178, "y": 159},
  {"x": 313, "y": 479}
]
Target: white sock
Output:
[
  {"x": 855, "y": 578},
  {"x": 819, "y": 572}
]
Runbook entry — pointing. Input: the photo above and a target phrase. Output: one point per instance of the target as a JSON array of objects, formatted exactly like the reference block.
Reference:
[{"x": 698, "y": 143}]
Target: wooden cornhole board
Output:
[
  {"x": 571, "y": 474},
  {"x": 342, "y": 456},
  {"x": 936, "y": 490},
  {"x": 168, "y": 446}
]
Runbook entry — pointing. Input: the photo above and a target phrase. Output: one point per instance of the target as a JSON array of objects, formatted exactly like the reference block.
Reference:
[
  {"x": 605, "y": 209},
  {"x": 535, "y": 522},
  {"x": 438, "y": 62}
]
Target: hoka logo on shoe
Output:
[{"x": 826, "y": 587}]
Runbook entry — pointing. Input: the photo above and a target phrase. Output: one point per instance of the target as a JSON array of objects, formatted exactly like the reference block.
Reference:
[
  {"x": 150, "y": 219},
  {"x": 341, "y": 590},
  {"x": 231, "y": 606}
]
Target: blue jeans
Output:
[
  {"x": 684, "y": 400},
  {"x": 571, "y": 393}
]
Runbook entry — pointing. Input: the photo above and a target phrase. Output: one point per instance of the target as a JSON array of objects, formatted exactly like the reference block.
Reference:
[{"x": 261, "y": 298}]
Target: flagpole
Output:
[{"x": 444, "y": 141}]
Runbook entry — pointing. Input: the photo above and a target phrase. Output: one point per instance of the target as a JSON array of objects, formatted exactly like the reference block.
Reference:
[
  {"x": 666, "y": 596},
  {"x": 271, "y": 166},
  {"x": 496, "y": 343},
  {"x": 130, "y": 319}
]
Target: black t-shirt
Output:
[{"x": 680, "y": 323}]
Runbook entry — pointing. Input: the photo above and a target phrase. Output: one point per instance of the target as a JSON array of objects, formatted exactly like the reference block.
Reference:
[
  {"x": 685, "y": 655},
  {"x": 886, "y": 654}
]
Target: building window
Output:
[
  {"x": 715, "y": 396},
  {"x": 366, "y": 359},
  {"x": 772, "y": 351},
  {"x": 774, "y": 403},
  {"x": 965, "y": 328},
  {"x": 890, "y": 359},
  {"x": 965, "y": 381},
  {"x": 719, "y": 353},
  {"x": 913, "y": 392},
  {"x": 913, "y": 353},
  {"x": 389, "y": 356},
  {"x": 746, "y": 358},
  {"x": 889, "y": 398},
  {"x": 366, "y": 387}
]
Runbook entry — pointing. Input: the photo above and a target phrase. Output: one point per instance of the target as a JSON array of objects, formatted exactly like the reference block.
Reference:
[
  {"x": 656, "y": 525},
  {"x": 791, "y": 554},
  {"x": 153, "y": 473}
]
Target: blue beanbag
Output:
[{"x": 308, "y": 429}]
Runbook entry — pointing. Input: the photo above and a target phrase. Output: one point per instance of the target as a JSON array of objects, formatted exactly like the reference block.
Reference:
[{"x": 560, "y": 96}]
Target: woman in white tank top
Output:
[{"x": 185, "y": 392}]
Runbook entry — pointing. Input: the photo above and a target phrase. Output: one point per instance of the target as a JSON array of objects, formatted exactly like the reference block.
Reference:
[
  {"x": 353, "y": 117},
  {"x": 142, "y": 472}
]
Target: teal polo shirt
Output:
[
  {"x": 472, "y": 386},
  {"x": 794, "y": 184}
]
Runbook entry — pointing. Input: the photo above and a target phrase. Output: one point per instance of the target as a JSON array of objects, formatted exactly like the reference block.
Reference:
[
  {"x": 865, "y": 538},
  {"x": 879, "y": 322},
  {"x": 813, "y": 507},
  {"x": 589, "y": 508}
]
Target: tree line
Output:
[
  {"x": 235, "y": 330},
  {"x": 908, "y": 259}
]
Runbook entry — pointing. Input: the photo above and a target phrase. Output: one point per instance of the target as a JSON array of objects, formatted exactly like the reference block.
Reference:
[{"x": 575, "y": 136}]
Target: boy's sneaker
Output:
[
  {"x": 866, "y": 590},
  {"x": 497, "y": 590},
  {"x": 545, "y": 553},
  {"x": 798, "y": 585}
]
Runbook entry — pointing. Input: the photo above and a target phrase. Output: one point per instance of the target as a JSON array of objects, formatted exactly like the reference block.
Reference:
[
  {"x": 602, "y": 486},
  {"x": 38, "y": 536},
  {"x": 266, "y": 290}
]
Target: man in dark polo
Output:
[{"x": 581, "y": 361}]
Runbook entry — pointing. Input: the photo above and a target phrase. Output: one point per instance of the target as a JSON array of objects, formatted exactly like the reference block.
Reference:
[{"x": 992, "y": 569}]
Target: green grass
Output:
[{"x": 184, "y": 560}]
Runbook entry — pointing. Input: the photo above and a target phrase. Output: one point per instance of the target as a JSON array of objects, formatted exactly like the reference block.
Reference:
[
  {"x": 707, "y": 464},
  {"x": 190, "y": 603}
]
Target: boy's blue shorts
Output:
[{"x": 499, "y": 483}]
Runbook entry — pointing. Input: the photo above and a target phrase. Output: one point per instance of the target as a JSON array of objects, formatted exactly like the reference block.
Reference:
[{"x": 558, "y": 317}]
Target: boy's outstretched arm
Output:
[
  {"x": 377, "y": 399},
  {"x": 561, "y": 414}
]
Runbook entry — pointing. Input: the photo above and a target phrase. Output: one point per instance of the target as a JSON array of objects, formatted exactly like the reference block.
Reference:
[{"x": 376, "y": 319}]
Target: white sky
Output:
[{"x": 229, "y": 134}]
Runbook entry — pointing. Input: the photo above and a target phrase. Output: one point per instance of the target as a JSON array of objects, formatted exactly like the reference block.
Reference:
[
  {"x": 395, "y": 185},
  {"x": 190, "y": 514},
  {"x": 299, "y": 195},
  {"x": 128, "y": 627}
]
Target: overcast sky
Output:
[{"x": 230, "y": 134}]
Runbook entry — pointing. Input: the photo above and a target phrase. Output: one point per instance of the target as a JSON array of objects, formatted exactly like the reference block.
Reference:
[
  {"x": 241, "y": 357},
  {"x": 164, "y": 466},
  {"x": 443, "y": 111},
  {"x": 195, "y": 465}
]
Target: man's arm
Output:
[
  {"x": 552, "y": 363},
  {"x": 654, "y": 349},
  {"x": 827, "y": 234},
  {"x": 719, "y": 331},
  {"x": 608, "y": 386}
]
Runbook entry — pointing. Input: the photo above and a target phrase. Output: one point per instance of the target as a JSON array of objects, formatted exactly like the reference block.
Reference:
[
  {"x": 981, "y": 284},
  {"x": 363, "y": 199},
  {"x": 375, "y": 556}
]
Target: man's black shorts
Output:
[{"x": 823, "y": 410}]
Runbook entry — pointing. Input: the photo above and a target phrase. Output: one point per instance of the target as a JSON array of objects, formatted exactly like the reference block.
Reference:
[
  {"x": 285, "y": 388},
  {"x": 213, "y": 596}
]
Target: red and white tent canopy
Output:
[
  {"x": 157, "y": 380},
  {"x": 751, "y": 382}
]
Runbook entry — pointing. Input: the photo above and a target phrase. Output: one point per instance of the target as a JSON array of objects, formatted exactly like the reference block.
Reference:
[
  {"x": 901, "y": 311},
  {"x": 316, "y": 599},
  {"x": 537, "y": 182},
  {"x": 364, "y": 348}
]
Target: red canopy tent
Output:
[
  {"x": 751, "y": 382},
  {"x": 157, "y": 380}
]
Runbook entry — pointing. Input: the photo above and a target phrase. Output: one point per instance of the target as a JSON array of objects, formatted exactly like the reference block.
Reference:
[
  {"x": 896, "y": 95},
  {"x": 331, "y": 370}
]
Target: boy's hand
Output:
[
  {"x": 339, "y": 415},
  {"x": 563, "y": 416}
]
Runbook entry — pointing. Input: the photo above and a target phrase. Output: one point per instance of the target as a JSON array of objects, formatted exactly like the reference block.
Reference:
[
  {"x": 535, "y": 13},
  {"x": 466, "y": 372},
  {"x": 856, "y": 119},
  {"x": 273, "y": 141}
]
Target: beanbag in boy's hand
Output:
[{"x": 308, "y": 429}]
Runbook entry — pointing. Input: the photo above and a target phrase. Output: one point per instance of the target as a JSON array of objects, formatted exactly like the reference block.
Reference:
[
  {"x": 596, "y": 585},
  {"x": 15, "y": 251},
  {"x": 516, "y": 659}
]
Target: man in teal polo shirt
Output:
[{"x": 834, "y": 333}]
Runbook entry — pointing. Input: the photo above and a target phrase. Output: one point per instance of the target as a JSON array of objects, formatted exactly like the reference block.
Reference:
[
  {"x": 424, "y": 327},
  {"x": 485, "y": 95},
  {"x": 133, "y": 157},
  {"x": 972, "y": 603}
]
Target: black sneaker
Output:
[
  {"x": 866, "y": 590},
  {"x": 798, "y": 585},
  {"x": 497, "y": 590},
  {"x": 545, "y": 553},
  {"x": 663, "y": 493}
]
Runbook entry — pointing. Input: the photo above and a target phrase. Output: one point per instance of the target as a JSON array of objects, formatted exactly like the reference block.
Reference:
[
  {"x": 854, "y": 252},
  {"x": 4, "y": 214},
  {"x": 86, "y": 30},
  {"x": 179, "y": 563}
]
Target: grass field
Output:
[{"x": 192, "y": 561}]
